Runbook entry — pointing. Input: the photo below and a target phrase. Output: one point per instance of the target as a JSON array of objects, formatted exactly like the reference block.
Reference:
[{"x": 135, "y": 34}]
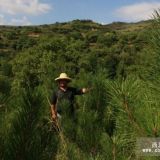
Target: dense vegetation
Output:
[{"x": 120, "y": 61}]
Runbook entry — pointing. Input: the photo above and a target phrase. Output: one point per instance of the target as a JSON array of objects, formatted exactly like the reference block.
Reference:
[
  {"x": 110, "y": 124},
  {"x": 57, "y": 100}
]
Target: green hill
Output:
[
  {"x": 80, "y": 41},
  {"x": 119, "y": 61},
  {"x": 14, "y": 39}
]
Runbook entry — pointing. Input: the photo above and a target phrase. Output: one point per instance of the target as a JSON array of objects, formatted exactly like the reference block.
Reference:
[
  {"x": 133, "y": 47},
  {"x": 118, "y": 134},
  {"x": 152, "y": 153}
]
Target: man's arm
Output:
[
  {"x": 81, "y": 91},
  {"x": 53, "y": 106}
]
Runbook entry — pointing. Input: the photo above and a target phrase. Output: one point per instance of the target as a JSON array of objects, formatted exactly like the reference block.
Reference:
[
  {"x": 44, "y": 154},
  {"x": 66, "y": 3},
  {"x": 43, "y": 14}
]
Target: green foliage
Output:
[
  {"x": 118, "y": 61},
  {"x": 23, "y": 42},
  {"x": 24, "y": 137},
  {"x": 108, "y": 39}
]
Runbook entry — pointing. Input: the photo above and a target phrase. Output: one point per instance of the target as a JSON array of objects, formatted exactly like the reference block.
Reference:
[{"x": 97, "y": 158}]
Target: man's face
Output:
[{"x": 63, "y": 83}]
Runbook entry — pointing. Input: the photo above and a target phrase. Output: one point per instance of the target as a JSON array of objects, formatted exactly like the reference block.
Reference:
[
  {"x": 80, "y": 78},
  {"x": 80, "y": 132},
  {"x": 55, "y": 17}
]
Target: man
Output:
[{"x": 64, "y": 94}]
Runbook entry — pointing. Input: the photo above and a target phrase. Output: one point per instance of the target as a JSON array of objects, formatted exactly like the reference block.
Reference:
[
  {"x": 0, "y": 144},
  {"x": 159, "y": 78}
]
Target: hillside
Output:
[
  {"x": 120, "y": 63},
  {"x": 14, "y": 39},
  {"x": 104, "y": 40}
]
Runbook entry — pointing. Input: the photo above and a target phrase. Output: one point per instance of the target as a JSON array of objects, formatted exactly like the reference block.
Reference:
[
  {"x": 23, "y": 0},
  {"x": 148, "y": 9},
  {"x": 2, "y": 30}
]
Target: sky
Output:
[{"x": 36, "y": 12}]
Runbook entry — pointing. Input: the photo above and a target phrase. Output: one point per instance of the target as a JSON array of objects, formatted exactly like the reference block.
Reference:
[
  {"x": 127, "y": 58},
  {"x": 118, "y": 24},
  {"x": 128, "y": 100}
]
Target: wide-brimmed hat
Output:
[{"x": 63, "y": 76}]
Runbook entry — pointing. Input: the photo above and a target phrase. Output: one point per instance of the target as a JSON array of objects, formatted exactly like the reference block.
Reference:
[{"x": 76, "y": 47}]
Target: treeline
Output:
[{"x": 119, "y": 61}]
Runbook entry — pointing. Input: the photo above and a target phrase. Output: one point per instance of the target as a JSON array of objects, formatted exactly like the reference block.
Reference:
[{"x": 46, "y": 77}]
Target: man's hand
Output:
[
  {"x": 54, "y": 116},
  {"x": 53, "y": 112},
  {"x": 86, "y": 90}
]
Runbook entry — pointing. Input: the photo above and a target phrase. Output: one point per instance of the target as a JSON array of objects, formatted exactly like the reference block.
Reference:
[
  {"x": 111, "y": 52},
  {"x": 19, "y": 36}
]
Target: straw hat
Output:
[{"x": 63, "y": 76}]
